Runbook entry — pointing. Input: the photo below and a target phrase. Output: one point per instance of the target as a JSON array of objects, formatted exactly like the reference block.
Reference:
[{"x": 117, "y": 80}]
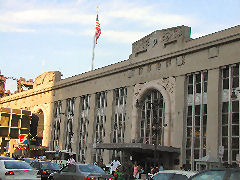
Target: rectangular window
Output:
[
  {"x": 230, "y": 113},
  {"x": 83, "y": 127},
  {"x": 196, "y": 120}
]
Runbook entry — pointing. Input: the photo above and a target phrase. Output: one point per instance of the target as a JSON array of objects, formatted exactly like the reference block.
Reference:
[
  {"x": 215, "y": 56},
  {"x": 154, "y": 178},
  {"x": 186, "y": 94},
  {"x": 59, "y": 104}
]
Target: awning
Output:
[{"x": 135, "y": 146}]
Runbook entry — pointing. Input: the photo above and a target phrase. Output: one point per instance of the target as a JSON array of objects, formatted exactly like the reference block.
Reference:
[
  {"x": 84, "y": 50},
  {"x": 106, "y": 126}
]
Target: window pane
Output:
[
  {"x": 235, "y": 143},
  {"x": 225, "y": 73},
  {"x": 189, "y": 110},
  {"x": 196, "y": 154},
  {"x": 224, "y": 119},
  {"x": 197, "y": 143},
  {"x": 235, "y": 106},
  {"x": 225, "y": 83},
  {"x": 235, "y": 70},
  {"x": 190, "y": 89},
  {"x": 225, "y": 142},
  {"x": 235, "y": 130},
  {"x": 197, "y": 121},
  {"x": 235, "y": 118},
  {"x": 235, "y": 82},
  {"x": 198, "y": 88},
  {"x": 197, "y": 110},
  {"x": 225, "y": 107},
  {"x": 225, "y": 131}
]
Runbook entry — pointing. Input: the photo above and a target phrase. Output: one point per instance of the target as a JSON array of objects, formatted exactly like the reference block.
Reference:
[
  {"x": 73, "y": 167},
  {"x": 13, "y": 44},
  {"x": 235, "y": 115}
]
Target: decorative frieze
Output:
[{"x": 213, "y": 52}]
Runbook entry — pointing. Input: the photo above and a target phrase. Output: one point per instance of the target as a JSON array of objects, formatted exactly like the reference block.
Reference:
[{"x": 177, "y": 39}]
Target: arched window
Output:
[{"x": 152, "y": 108}]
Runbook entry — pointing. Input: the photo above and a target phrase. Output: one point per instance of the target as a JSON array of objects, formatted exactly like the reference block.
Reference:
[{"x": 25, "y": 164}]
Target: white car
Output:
[
  {"x": 15, "y": 169},
  {"x": 173, "y": 175}
]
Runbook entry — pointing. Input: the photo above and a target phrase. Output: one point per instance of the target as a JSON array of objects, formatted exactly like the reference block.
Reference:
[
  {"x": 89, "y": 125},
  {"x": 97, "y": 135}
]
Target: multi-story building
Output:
[{"x": 176, "y": 96}]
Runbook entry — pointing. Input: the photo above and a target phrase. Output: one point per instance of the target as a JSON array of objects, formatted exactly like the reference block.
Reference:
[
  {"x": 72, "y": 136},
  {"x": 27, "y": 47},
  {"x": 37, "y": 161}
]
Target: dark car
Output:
[
  {"x": 81, "y": 172},
  {"x": 218, "y": 174},
  {"x": 45, "y": 168}
]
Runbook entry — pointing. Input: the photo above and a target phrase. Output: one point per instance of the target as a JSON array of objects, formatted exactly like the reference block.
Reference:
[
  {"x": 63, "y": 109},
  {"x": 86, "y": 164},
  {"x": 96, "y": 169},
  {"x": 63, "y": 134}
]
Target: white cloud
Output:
[
  {"x": 43, "y": 65},
  {"x": 10, "y": 28},
  {"x": 46, "y": 16},
  {"x": 150, "y": 15},
  {"x": 118, "y": 36},
  {"x": 123, "y": 36}
]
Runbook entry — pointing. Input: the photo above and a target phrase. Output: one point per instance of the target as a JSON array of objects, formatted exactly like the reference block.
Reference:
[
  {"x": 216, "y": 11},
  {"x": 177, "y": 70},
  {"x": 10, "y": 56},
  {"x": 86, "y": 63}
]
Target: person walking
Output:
[
  {"x": 114, "y": 165},
  {"x": 71, "y": 160},
  {"x": 136, "y": 171}
]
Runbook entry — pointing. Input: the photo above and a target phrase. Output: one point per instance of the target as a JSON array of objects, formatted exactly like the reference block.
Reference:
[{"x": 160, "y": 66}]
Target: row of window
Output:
[{"x": 152, "y": 118}]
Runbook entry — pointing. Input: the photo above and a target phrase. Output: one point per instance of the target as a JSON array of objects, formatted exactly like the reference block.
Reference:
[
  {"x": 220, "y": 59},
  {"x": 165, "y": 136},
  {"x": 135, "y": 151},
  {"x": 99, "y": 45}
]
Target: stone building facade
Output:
[{"x": 188, "y": 88}]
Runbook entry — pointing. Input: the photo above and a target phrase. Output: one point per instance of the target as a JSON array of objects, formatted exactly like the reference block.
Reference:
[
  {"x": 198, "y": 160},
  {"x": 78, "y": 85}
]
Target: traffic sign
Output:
[
  {"x": 237, "y": 158},
  {"x": 221, "y": 151}
]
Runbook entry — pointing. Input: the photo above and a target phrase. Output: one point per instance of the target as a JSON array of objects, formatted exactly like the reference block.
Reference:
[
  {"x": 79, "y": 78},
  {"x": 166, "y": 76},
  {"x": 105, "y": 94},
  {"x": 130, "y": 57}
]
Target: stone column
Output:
[
  {"x": 179, "y": 125},
  {"x": 63, "y": 126},
  {"x": 75, "y": 137},
  {"x": 213, "y": 102},
  {"x": 129, "y": 110},
  {"x": 51, "y": 121},
  {"x": 108, "y": 125},
  {"x": 91, "y": 125}
]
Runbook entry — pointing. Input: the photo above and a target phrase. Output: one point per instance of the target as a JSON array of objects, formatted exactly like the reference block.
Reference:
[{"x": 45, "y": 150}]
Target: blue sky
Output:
[{"x": 57, "y": 35}]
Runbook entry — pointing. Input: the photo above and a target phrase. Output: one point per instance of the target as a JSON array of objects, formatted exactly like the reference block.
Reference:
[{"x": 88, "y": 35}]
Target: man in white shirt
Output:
[
  {"x": 115, "y": 163},
  {"x": 71, "y": 160}
]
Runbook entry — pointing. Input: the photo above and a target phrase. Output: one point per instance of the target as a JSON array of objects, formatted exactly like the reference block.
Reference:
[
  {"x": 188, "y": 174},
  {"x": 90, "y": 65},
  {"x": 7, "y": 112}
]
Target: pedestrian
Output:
[
  {"x": 114, "y": 165},
  {"x": 101, "y": 164},
  {"x": 136, "y": 171},
  {"x": 161, "y": 167}
]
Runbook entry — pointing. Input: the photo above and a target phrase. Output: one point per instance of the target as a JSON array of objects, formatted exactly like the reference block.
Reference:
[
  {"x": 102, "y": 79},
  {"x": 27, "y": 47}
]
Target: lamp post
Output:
[{"x": 155, "y": 131}]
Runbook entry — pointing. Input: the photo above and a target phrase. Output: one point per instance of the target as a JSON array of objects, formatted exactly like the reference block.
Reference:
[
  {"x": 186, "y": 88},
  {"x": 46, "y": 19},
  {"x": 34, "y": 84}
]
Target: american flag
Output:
[{"x": 97, "y": 29}]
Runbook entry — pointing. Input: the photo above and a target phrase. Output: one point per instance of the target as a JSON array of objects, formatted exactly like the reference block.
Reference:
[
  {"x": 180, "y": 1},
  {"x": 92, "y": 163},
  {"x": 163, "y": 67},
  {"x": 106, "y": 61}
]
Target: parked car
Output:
[
  {"x": 173, "y": 175},
  {"x": 5, "y": 158},
  {"x": 81, "y": 171},
  {"x": 45, "y": 168},
  {"x": 16, "y": 169},
  {"x": 218, "y": 174}
]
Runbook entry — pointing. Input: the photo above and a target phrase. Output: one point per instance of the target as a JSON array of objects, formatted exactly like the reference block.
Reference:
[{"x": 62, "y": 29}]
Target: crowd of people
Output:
[{"x": 128, "y": 169}]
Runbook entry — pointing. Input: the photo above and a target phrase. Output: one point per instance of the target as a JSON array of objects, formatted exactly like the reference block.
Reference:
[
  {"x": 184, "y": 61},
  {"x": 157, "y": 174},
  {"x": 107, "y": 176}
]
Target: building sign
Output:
[{"x": 23, "y": 139}]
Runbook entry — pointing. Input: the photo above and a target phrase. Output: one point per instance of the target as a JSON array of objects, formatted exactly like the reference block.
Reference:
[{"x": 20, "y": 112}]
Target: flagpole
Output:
[{"x": 94, "y": 43}]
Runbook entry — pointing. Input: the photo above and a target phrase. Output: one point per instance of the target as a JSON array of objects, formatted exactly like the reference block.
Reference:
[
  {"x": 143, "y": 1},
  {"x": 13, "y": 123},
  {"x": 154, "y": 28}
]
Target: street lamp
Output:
[
  {"x": 156, "y": 126},
  {"x": 155, "y": 131}
]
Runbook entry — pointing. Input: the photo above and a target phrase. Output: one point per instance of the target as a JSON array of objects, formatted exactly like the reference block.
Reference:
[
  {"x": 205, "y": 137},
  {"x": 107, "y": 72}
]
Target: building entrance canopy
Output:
[{"x": 135, "y": 147}]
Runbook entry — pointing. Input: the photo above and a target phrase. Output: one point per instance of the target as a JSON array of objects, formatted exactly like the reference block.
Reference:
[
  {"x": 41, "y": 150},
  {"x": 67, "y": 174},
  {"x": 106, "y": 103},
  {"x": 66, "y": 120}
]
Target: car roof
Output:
[
  {"x": 5, "y": 158},
  {"x": 186, "y": 173}
]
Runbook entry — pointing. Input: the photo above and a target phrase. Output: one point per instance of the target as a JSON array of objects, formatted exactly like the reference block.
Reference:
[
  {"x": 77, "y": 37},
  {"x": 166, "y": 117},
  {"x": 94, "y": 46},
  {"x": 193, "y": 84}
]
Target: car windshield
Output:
[
  {"x": 16, "y": 165},
  {"x": 163, "y": 176},
  {"x": 210, "y": 175},
  {"x": 49, "y": 165},
  {"x": 28, "y": 160},
  {"x": 90, "y": 169}
]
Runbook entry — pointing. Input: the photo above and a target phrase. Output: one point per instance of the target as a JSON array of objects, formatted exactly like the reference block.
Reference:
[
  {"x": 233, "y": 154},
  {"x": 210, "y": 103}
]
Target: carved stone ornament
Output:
[
  {"x": 172, "y": 34},
  {"x": 141, "y": 45},
  {"x": 180, "y": 60}
]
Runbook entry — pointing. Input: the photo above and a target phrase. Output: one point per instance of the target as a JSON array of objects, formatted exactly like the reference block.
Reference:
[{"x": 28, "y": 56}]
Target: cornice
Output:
[
  {"x": 24, "y": 94},
  {"x": 132, "y": 64}
]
